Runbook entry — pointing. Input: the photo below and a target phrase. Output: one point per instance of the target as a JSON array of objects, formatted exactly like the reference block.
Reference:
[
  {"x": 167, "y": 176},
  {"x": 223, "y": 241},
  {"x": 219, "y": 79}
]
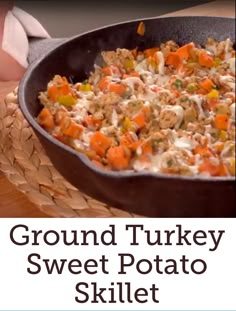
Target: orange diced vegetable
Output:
[
  {"x": 134, "y": 146},
  {"x": 146, "y": 110},
  {"x": 65, "y": 88},
  {"x": 150, "y": 52},
  {"x": 206, "y": 59},
  {"x": 100, "y": 143},
  {"x": 203, "y": 151},
  {"x": 219, "y": 146},
  {"x": 129, "y": 141},
  {"x": 72, "y": 129},
  {"x": 107, "y": 71},
  {"x": 104, "y": 83},
  {"x": 184, "y": 51},
  {"x": 176, "y": 92},
  {"x": 134, "y": 52},
  {"x": 191, "y": 160},
  {"x": 212, "y": 103},
  {"x": 213, "y": 170},
  {"x": 92, "y": 155},
  {"x": 46, "y": 119},
  {"x": 144, "y": 158},
  {"x": 147, "y": 147},
  {"x": 201, "y": 91},
  {"x": 111, "y": 70},
  {"x": 62, "y": 88},
  {"x": 118, "y": 157},
  {"x": 139, "y": 120},
  {"x": 91, "y": 122},
  {"x": 131, "y": 74},
  {"x": 141, "y": 29},
  {"x": 221, "y": 121},
  {"x": 173, "y": 59},
  {"x": 207, "y": 85},
  {"x": 131, "y": 145},
  {"x": 53, "y": 93},
  {"x": 117, "y": 88}
]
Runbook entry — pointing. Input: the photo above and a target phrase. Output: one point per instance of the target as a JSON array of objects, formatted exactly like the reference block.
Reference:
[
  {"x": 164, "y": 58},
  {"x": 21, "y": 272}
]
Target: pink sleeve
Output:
[{"x": 9, "y": 68}]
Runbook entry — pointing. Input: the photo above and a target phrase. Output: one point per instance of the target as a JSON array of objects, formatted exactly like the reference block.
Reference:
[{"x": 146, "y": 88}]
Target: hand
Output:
[{"x": 9, "y": 68}]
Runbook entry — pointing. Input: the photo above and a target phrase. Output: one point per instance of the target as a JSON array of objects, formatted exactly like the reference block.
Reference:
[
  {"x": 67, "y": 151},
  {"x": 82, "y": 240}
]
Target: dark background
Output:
[{"x": 67, "y": 18}]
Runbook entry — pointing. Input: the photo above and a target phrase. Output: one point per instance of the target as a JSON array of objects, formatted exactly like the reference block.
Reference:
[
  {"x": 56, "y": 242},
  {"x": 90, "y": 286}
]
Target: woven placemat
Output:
[{"x": 25, "y": 164}]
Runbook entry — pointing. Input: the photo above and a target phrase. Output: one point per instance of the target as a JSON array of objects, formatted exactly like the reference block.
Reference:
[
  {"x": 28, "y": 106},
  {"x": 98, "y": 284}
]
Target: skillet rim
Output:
[{"x": 125, "y": 174}]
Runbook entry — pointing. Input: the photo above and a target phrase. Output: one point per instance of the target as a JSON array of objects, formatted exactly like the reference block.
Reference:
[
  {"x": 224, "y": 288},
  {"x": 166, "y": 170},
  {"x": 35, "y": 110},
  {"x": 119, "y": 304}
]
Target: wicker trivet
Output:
[{"x": 25, "y": 164}]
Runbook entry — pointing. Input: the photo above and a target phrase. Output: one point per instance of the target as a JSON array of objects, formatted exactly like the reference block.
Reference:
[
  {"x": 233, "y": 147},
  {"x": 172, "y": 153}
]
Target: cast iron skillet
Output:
[{"x": 143, "y": 193}]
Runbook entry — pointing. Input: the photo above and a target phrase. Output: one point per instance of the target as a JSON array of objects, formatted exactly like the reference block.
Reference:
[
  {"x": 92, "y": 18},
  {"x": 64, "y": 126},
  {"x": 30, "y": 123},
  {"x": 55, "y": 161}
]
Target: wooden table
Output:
[{"x": 15, "y": 204}]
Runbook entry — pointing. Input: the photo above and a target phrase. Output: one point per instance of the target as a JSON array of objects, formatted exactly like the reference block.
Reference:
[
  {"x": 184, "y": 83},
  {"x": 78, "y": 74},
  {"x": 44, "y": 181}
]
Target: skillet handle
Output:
[{"x": 38, "y": 47}]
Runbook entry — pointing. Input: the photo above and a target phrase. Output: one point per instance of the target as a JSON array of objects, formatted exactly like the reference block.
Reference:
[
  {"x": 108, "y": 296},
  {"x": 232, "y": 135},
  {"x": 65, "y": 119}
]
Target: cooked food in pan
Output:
[{"x": 168, "y": 109}]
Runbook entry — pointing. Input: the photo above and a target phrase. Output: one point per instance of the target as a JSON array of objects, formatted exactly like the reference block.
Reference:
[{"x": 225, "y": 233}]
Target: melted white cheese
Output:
[
  {"x": 132, "y": 81},
  {"x": 85, "y": 137},
  {"x": 161, "y": 80},
  {"x": 82, "y": 103},
  {"x": 229, "y": 81},
  {"x": 140, "y": 166},
  {"x": 184, "y": 143},
  {"x": 232, "y": 111},
  {"x": 148, "y": 95},
  {"x": 212, "y": 48},
  {"x": 161, "y": 62},
  {"x": 114, "y": 118},
  {"x": 141, "y": 67},
  {"x": 178, "y": 110},
  {"x": 231, "y": 62},
  {"x": 227, "y": 46},
  {"x": 156, "y": 163},
  {"x": 198, "y": 100}
]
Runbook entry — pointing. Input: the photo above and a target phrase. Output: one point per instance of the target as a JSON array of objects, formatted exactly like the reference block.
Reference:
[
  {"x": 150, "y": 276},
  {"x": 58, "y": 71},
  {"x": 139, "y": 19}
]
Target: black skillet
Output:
[{"x": 146, "y": 194}]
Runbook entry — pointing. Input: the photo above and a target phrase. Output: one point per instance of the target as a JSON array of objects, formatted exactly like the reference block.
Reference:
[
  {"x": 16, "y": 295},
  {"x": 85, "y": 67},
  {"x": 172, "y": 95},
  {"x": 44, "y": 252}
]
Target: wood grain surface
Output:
[{"x": 15, "y": 204}]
